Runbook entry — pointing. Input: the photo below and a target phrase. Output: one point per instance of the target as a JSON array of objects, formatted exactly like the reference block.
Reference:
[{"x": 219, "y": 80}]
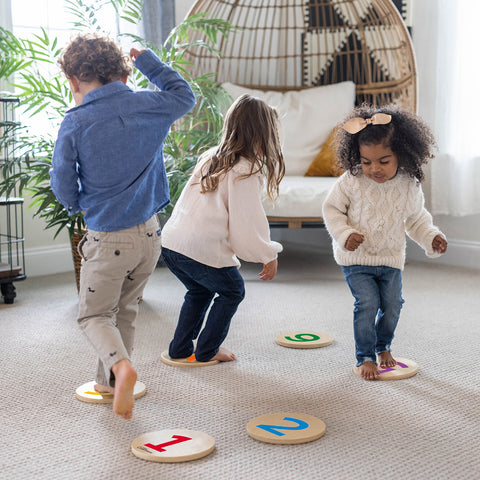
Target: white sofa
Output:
[{"x": 307, "y": 117}]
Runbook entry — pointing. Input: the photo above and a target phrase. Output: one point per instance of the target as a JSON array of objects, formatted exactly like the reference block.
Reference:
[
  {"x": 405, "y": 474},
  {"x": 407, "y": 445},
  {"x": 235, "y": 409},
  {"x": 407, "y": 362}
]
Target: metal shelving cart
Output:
[{"x": 12, "y": 254}]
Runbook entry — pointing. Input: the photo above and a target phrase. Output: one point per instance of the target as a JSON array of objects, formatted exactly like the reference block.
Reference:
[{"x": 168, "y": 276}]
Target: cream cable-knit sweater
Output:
[
  {"x": 215, "y": 228},
  {"x": 382, "y": 212}
]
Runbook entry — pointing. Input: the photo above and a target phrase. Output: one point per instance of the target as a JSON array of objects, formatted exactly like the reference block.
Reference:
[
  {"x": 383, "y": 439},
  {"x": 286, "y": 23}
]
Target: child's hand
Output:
[
  {"x": 269, "y": 270},
  {"x": 439, "y": 244},
  {"x": 134, "y": 53},
  {"x": 354, "y": 241}
]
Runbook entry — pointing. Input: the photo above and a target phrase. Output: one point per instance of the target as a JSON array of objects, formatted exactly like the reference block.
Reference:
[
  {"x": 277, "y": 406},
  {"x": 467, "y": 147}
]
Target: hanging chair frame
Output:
[{"x": 286, "y": 45}]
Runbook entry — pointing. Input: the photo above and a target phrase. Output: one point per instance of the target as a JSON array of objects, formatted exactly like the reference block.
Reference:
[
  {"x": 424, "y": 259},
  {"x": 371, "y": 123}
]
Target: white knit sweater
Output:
[
  {"x": 215, "y": 228},
  {"x": 382, "y": 212}
]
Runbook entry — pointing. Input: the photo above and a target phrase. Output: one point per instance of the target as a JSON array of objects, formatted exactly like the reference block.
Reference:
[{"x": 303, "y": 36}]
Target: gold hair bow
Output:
[{"x": 354, "y": 125}]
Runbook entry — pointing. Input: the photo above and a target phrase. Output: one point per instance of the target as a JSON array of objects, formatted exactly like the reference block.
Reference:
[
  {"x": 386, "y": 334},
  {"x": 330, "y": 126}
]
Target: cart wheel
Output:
[{"x": 8, "y": 292}]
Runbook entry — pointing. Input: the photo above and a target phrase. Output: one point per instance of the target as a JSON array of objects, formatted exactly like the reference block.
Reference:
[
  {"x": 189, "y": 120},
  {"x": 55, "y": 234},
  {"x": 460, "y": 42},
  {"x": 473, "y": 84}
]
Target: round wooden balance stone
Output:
[
  {"x": 303, "y": 339},
  {"x": 403, "y": 369},
  {"x": 185, "y": 362},
  {"x": 86, "y": 393},
  {"x": 178, "y": 445},
  {"x": 286, "y": 428}
]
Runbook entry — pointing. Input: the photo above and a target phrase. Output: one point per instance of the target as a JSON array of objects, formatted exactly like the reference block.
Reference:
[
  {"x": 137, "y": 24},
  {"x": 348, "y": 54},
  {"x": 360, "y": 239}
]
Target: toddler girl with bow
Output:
[{"x": 367, "y": 213}]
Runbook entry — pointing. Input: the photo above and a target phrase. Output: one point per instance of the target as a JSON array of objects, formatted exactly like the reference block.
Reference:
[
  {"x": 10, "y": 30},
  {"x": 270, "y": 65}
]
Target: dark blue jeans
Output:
[
  {"x": 378, "y": 301},
  {"x": 203, "y": 283}
]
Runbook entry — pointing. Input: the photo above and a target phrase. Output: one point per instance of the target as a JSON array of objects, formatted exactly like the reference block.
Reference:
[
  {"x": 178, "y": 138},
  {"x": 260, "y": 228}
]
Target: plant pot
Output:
[{"x": 75, "y": 238}]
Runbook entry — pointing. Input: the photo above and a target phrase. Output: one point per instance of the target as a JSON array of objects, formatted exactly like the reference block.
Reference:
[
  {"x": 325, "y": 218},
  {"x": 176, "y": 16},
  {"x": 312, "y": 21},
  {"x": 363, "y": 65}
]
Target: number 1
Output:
[{"x": 161, "y": 447}]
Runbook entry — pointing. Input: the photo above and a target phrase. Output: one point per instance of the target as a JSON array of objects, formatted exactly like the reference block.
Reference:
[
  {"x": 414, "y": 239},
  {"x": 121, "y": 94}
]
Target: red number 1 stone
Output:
[{"x": 161, "y": 447}]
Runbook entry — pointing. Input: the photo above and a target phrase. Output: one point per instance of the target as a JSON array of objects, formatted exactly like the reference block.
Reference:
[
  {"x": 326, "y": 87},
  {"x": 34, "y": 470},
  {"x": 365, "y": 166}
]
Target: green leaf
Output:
[{"x": 41, "y": 88}]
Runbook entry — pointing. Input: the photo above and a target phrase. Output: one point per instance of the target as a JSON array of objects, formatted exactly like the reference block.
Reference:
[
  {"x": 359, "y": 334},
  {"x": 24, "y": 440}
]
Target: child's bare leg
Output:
[
  {"x": 125, "y": 379},
  {"x": 368, "y": 370},
  {"x": 224, "y": 355},
  {"x": 385, "y": 360}
]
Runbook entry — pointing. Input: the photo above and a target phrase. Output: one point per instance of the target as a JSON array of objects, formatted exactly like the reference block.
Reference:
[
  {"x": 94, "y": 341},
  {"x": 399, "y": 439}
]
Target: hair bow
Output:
[{"x": 354, "y": 125}]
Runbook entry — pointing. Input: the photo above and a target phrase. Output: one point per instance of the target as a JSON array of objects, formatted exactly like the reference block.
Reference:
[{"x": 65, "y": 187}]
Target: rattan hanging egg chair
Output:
[{"x": 293, "y": 45}]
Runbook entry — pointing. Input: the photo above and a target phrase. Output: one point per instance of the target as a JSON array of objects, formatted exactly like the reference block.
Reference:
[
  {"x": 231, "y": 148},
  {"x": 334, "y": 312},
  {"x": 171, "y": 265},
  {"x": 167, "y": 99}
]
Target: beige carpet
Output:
[{"x": 425, "y": 427}]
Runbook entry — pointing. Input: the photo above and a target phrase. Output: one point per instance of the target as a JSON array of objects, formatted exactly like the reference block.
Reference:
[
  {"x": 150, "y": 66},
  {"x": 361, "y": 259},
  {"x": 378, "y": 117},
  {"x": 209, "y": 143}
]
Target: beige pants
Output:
[{"x": 115, "y": 269}]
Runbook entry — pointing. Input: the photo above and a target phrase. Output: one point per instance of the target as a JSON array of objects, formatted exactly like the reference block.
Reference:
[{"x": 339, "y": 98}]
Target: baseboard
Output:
[
  {"x": 460, "y": 253},
  {"x": 319, "y": 249},
  {"x": 58, "y": 259},
  {"x": 48, "y": 260}
]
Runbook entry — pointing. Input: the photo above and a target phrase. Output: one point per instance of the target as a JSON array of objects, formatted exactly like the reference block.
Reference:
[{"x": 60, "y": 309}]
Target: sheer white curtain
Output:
[
  {"x": 158, "y": 19},
  {"x": 452, "y": 88}
]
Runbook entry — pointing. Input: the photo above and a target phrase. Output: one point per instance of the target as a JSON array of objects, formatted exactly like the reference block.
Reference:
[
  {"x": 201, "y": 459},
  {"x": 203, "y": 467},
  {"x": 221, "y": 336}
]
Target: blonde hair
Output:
[{"x": 250, "y": 131}]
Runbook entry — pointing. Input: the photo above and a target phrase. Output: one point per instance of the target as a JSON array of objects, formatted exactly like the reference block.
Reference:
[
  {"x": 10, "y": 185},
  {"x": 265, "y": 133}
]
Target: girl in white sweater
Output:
[
  {"x": 367, "y": 213},
  {"x": 218, "y": 218}
]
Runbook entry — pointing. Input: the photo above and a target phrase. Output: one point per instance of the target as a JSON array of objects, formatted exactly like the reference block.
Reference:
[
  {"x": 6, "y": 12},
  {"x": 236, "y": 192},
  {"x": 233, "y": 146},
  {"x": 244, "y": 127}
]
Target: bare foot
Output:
[
  {"x": 224, "y": 355},
  {"x": 103, "y": 389},
  {"x": 369, "y": 371},
  {"x": 125, "y": 379},
  {"x": 386, "y": 360}
]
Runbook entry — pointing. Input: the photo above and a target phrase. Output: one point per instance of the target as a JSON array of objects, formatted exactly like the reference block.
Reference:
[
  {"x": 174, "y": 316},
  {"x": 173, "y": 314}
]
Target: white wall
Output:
[
  {"x": 181, "y": 9},
  {"x": 45, "y": 255},
  {"x": 463, "y": 233}
]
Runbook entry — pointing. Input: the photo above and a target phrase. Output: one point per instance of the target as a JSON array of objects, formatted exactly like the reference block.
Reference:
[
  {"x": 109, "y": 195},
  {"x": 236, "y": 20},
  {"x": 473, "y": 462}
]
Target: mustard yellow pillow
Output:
[{"x": 325, "y": 163}]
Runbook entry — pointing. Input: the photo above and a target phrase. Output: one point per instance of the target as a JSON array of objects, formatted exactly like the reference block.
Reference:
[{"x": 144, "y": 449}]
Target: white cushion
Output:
[
  {"x": 300, "y": 197},
  {"x": 307, "y": 117}
]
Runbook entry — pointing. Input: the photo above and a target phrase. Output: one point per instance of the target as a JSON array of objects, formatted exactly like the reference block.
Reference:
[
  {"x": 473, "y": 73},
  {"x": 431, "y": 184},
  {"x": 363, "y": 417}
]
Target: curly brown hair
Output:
[
  {"x": 92, "y": 57},
  {"x": 408, "y": 136}
]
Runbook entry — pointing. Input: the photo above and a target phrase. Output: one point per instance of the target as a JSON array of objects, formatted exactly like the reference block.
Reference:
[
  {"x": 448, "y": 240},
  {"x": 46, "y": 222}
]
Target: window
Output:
[{"x": 29, "y": 17}]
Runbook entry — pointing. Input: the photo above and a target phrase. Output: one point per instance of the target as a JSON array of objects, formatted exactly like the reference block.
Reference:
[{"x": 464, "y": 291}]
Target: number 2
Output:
[{"x": 301, "y": 425}]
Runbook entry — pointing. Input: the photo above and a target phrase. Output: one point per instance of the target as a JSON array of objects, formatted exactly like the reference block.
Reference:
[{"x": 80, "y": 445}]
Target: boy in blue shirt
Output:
[{"x": 108, "y": 164}]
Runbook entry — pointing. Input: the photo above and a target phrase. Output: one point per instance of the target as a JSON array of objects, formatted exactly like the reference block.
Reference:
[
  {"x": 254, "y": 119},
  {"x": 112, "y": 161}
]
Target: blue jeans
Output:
[
  {"x": 203, "y": 282},
  {"x": 378, "y": 301}
]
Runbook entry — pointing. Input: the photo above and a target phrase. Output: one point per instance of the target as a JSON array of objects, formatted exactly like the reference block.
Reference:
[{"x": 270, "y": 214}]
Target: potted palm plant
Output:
[{"x": 42, "y": 88}]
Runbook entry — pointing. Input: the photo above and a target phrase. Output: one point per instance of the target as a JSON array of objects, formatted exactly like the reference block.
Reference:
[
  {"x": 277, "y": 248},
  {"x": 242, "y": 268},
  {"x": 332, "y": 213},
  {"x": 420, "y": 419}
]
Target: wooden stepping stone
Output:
[
  {"x": 86, "y": 393},
  {"x": 286, "y": 428},
  {"x": 178, "y": 445},
  {"x": 185, "y": 362},
  {"x": 403, "y": 369},
  {"x": 304, "y": 339}
]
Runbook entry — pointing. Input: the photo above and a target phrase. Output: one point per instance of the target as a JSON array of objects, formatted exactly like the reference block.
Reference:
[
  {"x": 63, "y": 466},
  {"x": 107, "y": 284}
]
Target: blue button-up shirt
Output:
[{"x": 108, "y": 157}]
